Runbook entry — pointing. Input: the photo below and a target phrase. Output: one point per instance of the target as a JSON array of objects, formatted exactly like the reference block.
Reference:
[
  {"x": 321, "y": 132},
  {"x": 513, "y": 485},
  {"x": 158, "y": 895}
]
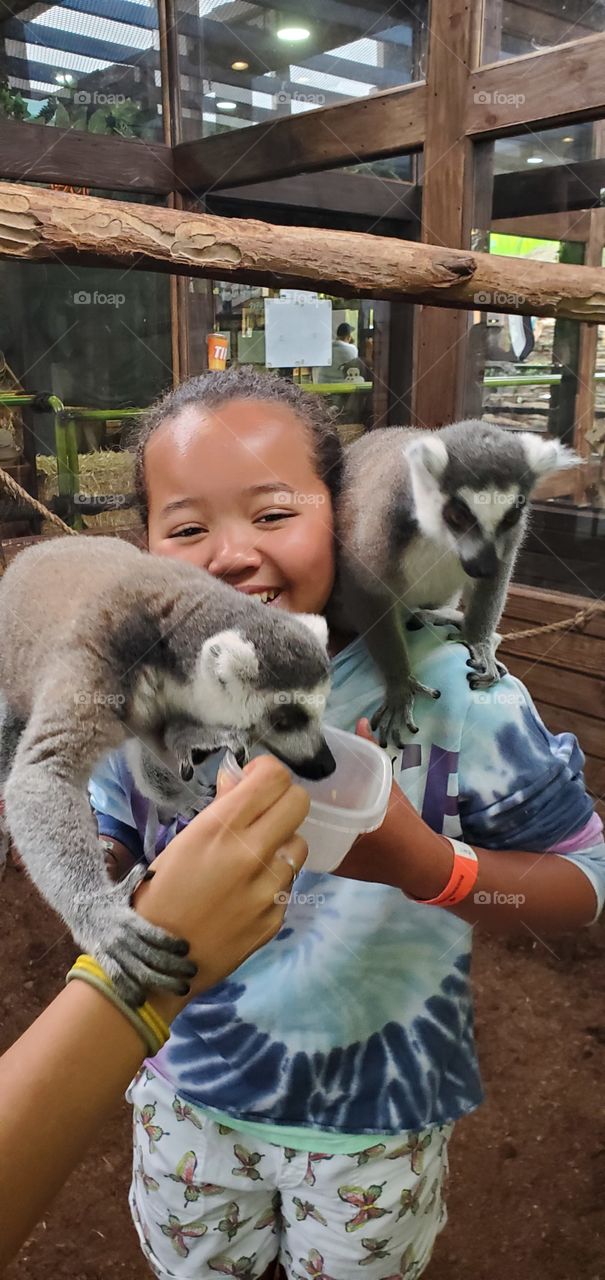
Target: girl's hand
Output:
[{"x": 223, "y": 883}]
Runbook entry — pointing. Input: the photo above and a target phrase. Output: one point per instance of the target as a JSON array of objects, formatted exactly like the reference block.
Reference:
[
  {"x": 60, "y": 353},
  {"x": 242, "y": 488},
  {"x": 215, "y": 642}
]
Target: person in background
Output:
[{"x": 343, "y": 351}]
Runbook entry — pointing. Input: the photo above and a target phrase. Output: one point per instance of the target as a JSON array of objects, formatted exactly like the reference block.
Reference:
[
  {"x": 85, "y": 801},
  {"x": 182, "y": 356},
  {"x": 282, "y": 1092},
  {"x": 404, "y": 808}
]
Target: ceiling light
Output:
[
  {"x": 568, "y": 139},
  {"x": 293, "y": 33},
  {"x": 240, "y": 66},
  {"x": 226, "y": 106},
  {"x": 535, "y": 160}
]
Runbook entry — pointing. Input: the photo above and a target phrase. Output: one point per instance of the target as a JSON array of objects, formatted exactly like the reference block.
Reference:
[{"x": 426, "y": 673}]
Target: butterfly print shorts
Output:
[{"x": 210, "y": 1200}]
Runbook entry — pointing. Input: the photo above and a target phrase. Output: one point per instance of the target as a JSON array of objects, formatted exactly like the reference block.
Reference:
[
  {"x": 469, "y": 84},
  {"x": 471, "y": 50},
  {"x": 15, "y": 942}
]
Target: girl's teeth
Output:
[{"x": 266, "y": 596}]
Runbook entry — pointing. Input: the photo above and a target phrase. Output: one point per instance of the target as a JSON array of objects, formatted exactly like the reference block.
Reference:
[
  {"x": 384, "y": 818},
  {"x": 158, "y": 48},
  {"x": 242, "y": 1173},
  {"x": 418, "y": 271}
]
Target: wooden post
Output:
[
  {"x": 589, "y": 334},
  {"x": 455, "y": 36}
]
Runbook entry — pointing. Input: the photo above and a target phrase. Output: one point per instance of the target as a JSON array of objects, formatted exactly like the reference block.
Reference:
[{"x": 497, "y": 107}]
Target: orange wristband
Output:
[{"x": 462, "y": 879}]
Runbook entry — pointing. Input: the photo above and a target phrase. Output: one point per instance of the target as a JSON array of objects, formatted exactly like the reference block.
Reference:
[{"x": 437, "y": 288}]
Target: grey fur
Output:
[
  {"x": 102, "y": 645},
  {"x": 398, "y": 555}
]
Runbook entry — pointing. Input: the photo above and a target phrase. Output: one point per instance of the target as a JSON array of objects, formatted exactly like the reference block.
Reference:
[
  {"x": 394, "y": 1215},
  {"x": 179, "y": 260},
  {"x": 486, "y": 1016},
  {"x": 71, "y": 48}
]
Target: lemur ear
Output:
[
  {"x": 229, "y": 656},
  {"x": 317, "y": 626},
  {"x": 428, "y": 451},
  {"x": 544, "y": 456}
]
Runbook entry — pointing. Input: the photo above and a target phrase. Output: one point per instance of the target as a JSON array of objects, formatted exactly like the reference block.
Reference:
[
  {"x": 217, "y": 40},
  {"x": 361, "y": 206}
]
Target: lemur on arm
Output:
[{"x": 104, "y": 645}]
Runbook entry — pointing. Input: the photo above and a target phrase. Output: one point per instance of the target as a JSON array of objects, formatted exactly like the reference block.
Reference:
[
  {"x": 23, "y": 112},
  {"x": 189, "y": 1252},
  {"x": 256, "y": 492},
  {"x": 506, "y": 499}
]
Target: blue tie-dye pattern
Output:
[{"x": 357, "y": 1017}]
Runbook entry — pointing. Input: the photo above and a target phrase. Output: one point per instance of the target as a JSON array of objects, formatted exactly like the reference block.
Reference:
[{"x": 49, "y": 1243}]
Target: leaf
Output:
[
  {"x": 97, "y": 122},
  {"x": 62, "y": 120}
]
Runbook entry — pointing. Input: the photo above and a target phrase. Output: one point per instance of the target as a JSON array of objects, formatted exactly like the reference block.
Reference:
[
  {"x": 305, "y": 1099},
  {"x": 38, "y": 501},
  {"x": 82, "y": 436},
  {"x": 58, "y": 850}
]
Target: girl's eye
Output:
[
  {"x": 190, "y": 531},
  {"x": 272, "y": 516}
]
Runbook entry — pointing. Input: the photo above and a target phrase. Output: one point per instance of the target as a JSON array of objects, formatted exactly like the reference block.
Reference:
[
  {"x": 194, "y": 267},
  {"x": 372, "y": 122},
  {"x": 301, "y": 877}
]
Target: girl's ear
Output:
[{"x": 317, "y": 625}]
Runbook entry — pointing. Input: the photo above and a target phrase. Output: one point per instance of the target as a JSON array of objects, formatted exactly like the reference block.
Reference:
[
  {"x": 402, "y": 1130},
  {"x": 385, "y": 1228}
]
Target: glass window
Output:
[
  {"x": 518, "y": 26},
  {"x": 228, "y": 326},
  {"x": 98, "y": 72},
  {"x": 99, "y": 340},
  {"x": 242, "y": 63}
]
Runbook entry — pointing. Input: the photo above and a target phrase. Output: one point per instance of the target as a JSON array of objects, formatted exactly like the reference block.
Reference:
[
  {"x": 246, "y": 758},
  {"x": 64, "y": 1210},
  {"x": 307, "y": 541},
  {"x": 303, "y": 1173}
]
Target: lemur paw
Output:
[
  {"x": 135, "y": 954},
  {"x": 486, "y": 670},
  {"x": 394, "y": 720},
  {"x": 439, "y": 617}
]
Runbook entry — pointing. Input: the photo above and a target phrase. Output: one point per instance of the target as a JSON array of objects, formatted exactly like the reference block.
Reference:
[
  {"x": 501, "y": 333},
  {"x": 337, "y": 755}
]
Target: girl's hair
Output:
[{"x": 245, "y": 383}]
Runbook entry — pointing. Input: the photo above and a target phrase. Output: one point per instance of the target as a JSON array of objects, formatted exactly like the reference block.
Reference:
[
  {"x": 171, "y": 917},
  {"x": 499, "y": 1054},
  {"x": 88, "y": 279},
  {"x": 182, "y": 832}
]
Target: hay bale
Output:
[
  {"x": 102, "y": 473},
  {"x": 350, "y": 431}
]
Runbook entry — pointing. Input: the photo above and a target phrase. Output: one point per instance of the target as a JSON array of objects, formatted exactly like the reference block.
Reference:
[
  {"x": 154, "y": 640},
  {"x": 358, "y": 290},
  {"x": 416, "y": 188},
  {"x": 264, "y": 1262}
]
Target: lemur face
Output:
[
  {"x": 235, "y": 712},
  {"x": 483, "y": 526}
]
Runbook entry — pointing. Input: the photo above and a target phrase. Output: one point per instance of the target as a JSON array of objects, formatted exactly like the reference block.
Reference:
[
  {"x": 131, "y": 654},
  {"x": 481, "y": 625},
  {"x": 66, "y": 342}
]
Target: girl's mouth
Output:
[{"x": 266, "y": 597}]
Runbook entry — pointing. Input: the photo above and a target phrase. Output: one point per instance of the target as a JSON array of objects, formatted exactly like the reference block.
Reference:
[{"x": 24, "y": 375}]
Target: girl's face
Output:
[{"x": 233, "y": 489}]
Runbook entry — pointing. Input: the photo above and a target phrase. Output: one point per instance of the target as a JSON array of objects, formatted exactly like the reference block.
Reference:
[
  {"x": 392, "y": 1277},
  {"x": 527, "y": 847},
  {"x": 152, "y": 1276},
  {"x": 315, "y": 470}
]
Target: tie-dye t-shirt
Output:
[{"x": 357, "y": 1018}]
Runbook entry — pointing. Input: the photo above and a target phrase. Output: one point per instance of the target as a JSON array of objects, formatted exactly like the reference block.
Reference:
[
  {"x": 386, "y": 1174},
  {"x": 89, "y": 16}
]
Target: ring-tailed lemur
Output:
[
  {"x": 425, "y": 517},
  {"x": 102, "y": 643}
]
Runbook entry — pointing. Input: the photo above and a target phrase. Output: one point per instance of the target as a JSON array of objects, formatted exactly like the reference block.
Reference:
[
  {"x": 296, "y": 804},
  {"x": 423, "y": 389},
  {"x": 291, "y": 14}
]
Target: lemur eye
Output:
[
  {"x": 287, "y": 717},
  {"x": 457, "y": 514},
  {"x": 511, "y": 518}
]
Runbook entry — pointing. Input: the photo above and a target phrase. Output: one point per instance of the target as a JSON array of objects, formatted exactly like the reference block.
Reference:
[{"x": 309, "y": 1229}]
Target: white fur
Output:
[
  {"x": 489, "y": 505},
  {"x": 429, "y": 452},
  {"x": 317, "y": 626},
  {"x": 544, "y": 456}
]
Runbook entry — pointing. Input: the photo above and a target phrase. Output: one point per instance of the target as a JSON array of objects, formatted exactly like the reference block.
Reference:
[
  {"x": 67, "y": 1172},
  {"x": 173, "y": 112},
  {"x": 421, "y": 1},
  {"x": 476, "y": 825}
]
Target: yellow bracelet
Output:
[{"x": 153, "y": 1030}]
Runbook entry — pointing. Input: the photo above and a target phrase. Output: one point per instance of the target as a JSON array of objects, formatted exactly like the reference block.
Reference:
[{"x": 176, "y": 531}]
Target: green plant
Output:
[{"x": 12, "y": 105}]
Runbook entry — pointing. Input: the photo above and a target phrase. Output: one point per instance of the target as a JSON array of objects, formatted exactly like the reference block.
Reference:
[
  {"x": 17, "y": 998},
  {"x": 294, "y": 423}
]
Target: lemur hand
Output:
[
  {"x": 394, "y": 720},
  {"x": 223, "y": 882}
]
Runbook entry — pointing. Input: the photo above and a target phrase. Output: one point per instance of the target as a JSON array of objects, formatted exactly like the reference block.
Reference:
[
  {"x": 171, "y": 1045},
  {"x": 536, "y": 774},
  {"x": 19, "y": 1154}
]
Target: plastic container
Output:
[{"x": 352, "y": 800}]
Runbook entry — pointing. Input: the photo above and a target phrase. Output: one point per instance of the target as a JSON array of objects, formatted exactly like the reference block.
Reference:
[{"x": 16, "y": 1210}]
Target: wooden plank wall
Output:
[{"x": 563, "y": 670}]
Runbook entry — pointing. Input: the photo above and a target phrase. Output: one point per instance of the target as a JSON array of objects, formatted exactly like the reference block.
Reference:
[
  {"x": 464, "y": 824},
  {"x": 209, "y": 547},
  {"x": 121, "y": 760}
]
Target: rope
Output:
[
  {"x": 18, "y": 493},
  {"x": 578, "y": 620}
]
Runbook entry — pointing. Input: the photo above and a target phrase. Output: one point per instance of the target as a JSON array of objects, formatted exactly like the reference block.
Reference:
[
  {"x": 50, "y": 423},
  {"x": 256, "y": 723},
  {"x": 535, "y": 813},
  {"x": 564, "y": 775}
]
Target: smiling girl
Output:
[{"x": 301, "y": 1109}]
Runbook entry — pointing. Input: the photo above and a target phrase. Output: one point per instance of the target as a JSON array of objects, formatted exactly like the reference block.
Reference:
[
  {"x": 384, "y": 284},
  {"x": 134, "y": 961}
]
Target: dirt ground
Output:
[{"x": 526, "y": 1191}]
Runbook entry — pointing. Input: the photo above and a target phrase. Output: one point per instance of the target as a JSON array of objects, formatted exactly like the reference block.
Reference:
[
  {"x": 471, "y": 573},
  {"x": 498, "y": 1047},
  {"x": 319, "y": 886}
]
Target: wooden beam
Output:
[
  {"x": 386, "y": 123},
  {"x": 339, "y": 192},
  {"x": 565, "y": 225},
  {"x": 446, "y": 209},
  {"x": 41, "y": 153},
  {"x": 557, "y": 187},
  {"x": 539, "y": 90},
  {"x": 38, "y": 225},
  {"x": 588, "y": 339}
]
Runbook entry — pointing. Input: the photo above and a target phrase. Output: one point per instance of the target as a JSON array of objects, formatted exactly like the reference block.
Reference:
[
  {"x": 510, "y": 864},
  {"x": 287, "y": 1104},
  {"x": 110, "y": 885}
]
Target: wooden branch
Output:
[
  {"x": 547, "y": 89},
  {"x": 386, "y": 123},
  {"x": 41, "y": 153},
  {"x": 37, "y": 225}
]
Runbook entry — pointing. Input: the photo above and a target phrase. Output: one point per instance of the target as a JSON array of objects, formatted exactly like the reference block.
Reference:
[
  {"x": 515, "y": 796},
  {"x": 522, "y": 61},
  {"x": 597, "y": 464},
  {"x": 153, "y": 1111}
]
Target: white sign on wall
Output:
[{"x": 298, "y": 332}]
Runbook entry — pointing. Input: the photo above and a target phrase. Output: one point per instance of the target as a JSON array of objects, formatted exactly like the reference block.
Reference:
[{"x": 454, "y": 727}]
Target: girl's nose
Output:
[{"x": 230, "y": 556}]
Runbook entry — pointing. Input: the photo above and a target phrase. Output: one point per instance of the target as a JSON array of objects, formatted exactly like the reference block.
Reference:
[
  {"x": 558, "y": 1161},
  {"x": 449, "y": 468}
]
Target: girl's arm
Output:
[
  {"x": 220, "y": 885},
  {"x": 515, "y": 891}
]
